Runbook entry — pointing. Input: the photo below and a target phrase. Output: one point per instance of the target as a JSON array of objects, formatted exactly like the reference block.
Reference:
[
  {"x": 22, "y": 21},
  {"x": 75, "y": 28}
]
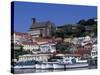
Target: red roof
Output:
[
  {"x": 47, "y": 43},
  {"x": 26, "y": 35},
  {"x": 29, "y": 43},
  {"x": 82, "y": 51},
  {"x": 58, "y": 39},
  {"x": 43, "y": 39},
  {"x": 19, "y": 33}
]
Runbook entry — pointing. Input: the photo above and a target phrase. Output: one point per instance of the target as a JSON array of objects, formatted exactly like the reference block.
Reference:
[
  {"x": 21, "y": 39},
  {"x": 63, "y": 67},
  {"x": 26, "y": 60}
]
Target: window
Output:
[{"x": 45, "y": 48}]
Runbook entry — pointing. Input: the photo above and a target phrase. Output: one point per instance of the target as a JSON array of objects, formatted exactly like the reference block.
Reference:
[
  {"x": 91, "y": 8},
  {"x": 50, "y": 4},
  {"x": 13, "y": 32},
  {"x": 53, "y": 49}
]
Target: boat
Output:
[
  {"x": 38, "y": 66},
  {"x": 58, "y": 66},
  {"x": 24, "y": 65},
  {"x": 43, "y": 66},
  {"x": 49, "y": 65},
  {"x": 81, "y": 61},
  {"x": 77, "y": 65}
]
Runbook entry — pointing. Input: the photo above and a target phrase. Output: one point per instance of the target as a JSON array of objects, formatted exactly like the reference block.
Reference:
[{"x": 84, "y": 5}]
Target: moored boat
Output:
[
  {"x": 77, "y": 65},
  {"x": 49, "y": 65},
  {"x": 43, "y": 66},
  {"x": 24, "y": 65},
  {"x": 38, "y": 66},
  {"x": 58, "y": 66}
]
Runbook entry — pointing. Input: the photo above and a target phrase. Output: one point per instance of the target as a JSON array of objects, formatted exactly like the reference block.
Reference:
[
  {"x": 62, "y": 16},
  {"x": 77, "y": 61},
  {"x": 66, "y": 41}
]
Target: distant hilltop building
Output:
[{"x": 41, "y": 29}]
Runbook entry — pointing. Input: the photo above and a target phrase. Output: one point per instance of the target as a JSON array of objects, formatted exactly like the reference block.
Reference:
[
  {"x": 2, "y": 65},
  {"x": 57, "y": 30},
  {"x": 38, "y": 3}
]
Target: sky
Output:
[{"x": 59, "y": 14}]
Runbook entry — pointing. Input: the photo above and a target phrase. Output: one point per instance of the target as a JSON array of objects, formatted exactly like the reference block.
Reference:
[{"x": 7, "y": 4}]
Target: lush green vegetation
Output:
[
  {"x": 63, "y": 47},
  {"x": 82, "y": 28}
]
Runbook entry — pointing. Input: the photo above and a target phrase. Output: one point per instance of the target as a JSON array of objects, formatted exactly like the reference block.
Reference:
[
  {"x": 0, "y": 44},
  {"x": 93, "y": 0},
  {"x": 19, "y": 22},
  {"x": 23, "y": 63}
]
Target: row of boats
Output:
[
  {"x": 56, "y": 65},
  {"x": 49, "y": 65}
]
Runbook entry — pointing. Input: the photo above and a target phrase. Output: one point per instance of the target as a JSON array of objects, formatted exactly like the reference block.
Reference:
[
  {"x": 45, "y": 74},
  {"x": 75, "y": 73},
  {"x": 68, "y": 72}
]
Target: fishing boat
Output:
[{"x": 24, "y": 65}]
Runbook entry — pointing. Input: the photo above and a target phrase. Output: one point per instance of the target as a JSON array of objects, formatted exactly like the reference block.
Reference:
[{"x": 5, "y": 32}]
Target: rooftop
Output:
[
  {"x": 40, "y": 24},
  {"x": 29, "y": 43}
]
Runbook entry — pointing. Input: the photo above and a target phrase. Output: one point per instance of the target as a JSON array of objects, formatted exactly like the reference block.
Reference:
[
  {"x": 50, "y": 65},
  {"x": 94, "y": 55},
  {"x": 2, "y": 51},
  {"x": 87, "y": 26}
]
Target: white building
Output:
[
  {"x": 78, "y": 40},
  {"x": 86, "y": 40},
  {"x": 20, "y": 37},
  {"x": 94, "y": 51},
  {"x": 30, "y": 46},
  {"x": 47, "y": 47},
  {"x": 70, "y": 56},
  {"x": 45, "y": 44}
]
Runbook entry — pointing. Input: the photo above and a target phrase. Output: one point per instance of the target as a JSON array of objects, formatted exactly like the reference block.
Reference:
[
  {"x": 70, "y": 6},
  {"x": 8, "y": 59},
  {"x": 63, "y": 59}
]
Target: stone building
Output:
[{"x": 41, "y": 29}]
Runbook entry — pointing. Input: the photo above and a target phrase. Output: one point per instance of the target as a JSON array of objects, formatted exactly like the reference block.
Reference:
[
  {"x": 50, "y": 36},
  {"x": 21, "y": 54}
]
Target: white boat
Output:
[
  {"x": 38, "y": 66},
  {"x": 58, "y": 66},
  {"x": 77, "y": 65},
  {"x": 52, "y": 65},
  {"x": 43, "y": 66},
  {"x": 24, "y": 67},
  {"x": 49, "y": 65},
  {"x": 81, "y": 61}
]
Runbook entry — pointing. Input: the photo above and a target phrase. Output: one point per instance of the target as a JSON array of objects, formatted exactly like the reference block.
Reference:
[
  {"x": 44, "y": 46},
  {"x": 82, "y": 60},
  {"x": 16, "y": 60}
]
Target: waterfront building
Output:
[
  {"x": 37, "y": 57},
  {"x": 94, "y": 51},
  {"x": 48, "y": 47},
  {"x": 70, "y": 56},
  {"x": 19, "y": 37}
]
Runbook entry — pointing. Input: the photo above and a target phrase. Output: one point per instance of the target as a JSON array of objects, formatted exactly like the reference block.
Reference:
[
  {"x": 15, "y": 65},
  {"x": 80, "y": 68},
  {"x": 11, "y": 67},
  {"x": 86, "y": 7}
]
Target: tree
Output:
[
  {"x": 90, "y": 22},
  {"x": 82, "y": 22},
  {"x": 59, "y": 34},
  {"x": 80, "y": 30},
  {"x": 84, "y": 27},
  {"x": 63, "y": 47}
]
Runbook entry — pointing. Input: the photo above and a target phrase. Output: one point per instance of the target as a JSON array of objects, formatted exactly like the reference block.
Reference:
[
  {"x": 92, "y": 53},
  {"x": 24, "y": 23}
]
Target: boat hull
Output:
[
  {"x": 38, "y": 66},
  {"x": 58, "y": 66},
  {"x": 51, "y": 65},
  {"x": 24, "y": 67},
  {"x": 76, "y": 65},
  {"x": 43, "y": 66}
]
